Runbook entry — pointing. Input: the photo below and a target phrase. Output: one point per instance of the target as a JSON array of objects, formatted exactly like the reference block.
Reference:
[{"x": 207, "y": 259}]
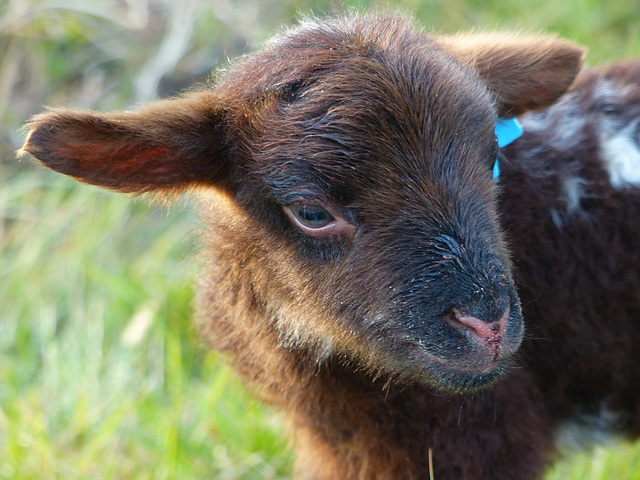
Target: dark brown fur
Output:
[{"x": 368, "y": 336}]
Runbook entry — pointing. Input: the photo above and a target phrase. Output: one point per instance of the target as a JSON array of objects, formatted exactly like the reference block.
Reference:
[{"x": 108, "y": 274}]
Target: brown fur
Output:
[
  {"x": 369, "y": 336},
  {"x": 541, "y": 73}
]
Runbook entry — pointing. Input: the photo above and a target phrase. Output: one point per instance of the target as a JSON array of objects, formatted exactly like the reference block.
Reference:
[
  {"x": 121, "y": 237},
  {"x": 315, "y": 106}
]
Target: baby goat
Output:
[{"x": 366, "y": 271}]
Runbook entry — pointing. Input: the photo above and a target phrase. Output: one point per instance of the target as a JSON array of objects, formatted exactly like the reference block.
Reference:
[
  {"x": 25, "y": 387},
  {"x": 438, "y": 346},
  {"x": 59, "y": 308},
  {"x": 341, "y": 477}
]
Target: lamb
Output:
[{"x": 413, "y": 316}]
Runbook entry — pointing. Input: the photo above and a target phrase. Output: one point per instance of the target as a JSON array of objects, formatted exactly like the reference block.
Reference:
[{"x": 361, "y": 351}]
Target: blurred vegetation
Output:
[{"x": 101, "y": 375}]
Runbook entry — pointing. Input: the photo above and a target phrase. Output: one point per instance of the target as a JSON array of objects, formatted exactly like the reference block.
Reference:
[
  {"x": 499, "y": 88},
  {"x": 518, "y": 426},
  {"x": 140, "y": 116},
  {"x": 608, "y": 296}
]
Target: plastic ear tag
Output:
[{"x": 507, "y": 130}]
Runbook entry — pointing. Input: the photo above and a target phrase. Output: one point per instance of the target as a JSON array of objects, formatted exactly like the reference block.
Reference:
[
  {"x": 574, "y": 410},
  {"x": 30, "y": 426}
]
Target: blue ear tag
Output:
[{"x": 507, "y": 130}]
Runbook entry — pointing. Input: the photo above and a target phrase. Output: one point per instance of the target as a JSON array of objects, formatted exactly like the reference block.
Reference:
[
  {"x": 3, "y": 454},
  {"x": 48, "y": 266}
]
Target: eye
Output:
[
  {"x": 322, "y": 223},
  {"x": 608, "y": 108},
  {"x": 311, "y": 216}
]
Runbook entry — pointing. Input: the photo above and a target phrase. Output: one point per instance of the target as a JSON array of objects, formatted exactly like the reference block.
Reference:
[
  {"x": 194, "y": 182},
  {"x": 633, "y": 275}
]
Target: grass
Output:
[{"x": 101, "y": 374}]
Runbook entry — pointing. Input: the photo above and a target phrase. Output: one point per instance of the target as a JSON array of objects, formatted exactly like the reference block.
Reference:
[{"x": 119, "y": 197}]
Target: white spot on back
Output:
[
  {"x": 586, "y": 431},
  {"x": 573, "y": 191},
  {"x": 622, "y": 158}
]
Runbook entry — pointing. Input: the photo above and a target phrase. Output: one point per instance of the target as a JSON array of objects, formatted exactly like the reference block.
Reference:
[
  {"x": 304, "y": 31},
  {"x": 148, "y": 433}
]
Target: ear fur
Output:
[
  {"x": 523, "y": 72},
  {"x": 168, "y": 145}
]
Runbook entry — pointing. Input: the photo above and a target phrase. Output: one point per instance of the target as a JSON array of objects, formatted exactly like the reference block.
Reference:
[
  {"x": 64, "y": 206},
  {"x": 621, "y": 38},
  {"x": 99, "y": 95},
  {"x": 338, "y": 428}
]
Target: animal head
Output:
[{"x": 346, "y": 172}]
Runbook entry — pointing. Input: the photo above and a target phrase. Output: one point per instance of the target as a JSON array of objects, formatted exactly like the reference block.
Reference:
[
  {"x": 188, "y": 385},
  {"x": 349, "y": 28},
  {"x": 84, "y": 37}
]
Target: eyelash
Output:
[
  {"x": 319, "y": 221},
  {"x": 311, "y": 216}
]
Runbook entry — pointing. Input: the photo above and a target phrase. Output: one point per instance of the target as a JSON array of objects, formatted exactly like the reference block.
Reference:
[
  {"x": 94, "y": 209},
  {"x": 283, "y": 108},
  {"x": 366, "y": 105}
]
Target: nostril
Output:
[{"x": 488, "y": 332}]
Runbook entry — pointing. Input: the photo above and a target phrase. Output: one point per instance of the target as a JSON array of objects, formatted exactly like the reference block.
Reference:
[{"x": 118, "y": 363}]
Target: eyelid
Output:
[
  {"x": 338, "y": 229},
  {"x": 298, "y": 209}
]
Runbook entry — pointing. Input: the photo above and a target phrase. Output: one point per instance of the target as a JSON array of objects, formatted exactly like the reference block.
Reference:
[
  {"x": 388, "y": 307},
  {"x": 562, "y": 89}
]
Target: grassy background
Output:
[{"x": 101, "y": 375}]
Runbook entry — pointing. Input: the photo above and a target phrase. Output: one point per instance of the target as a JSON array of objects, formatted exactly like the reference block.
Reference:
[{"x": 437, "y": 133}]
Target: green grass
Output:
[
  {"x": 101, "y": 373},
  {"x": 616, "y": 462}
]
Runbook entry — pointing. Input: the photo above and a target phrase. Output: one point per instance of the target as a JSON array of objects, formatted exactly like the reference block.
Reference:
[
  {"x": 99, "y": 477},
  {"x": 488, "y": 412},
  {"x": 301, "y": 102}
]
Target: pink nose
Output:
[{"x": 489, "y": 333}]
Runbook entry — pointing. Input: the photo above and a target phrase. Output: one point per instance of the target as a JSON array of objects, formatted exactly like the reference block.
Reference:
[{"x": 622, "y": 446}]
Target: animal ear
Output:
[
  {"x": 523, "y": 72},
  {"x": 169, "y": 145}
]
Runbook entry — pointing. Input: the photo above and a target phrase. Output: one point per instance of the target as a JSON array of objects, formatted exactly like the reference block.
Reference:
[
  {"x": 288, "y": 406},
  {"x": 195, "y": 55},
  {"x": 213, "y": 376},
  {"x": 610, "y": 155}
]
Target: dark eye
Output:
[
  {"x": 311, "y": 216},
  {"x": 608, "y": 108}
]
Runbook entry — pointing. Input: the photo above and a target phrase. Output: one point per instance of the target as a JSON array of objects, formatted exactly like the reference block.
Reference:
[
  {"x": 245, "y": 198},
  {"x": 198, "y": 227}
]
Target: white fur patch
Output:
[
  {"x": 589, "y": 430},
  {"x": 622, "y": 158},
  {"x": 573, "y": 190},
  {"x": 562, "y": 124}
]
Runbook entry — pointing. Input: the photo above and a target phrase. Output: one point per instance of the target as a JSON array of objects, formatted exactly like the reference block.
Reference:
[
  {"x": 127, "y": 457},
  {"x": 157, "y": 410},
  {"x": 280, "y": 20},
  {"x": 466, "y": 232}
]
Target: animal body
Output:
[{"x": 367, "y": 274}]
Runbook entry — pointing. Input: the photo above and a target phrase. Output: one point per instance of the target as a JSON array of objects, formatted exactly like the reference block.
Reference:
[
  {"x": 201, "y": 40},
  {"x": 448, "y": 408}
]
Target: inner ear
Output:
[
  {"x": 523, "y": 72},
  {"x": 169, "y": 145}
]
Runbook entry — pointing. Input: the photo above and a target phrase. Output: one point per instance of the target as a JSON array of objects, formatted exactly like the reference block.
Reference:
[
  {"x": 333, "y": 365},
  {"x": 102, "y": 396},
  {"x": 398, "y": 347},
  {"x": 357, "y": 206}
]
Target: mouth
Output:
[
  {"x": 459, "y": 374},
  {"x": 461, "y": 352}
]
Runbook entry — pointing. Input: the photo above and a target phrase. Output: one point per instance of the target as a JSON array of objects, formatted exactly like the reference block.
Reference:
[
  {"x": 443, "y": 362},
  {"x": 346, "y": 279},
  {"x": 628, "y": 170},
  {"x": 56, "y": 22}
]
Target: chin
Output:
[
  {"x": 463, "y": 382},
  {"x": 473, "y": 372}
]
